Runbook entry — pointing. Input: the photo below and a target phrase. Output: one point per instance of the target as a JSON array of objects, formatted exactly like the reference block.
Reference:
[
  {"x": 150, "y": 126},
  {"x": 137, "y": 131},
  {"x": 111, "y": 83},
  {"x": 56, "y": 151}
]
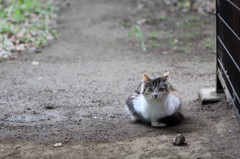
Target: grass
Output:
[
  {"x": 137, "y": 31},
  {"x": 125, "y": 23},
  {"x": 208, "y": 43},
  {"x": 154, "y": 35},
  {"x": 173, "y": 43},
  {"x": 191, "y": 22},
  {"x": 153, "y": 39},
  {"x": 188, "y": 48},
  {"x": 183, "y": 3},
  {"x": 154, "y": 44},
  {"x": 26, "y": 24},
  {"x": 153, "y": 19}
]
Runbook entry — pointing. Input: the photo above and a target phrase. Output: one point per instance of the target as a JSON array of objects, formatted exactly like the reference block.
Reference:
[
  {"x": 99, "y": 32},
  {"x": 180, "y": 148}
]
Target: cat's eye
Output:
[
  {"x": 149, "y": 90},
  {"x": 161, "y": 89}
]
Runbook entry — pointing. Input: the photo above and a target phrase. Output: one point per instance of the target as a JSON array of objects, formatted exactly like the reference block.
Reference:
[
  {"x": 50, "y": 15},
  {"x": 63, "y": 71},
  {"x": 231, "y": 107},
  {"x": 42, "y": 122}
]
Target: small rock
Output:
[
  {"x": 179, "y": 140},
  {"x": 57, "y": 144},
  {"x": 49, "y": 107},
  {"x": 48, "y": 90},
  {"x": 35, "y": 63},
  {"x": 96, "y": 101},
  {"x": 111, "y": 116},
  {"x": 164, "y": 52},
  {"x": 39, "y": 78},
  {"x": 141, "y": 21}
]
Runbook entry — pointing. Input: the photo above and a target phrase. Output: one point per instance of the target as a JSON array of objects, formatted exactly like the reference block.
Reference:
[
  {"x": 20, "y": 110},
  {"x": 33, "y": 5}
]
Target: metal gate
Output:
[{"x": 228, "y": 51}]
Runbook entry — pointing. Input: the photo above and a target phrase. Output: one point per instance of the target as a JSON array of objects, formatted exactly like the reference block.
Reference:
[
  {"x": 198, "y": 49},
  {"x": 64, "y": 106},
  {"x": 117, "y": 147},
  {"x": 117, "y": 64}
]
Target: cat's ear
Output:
[
  {"x": 145, "y": 78},
  {"x": 166, "y": 76}
]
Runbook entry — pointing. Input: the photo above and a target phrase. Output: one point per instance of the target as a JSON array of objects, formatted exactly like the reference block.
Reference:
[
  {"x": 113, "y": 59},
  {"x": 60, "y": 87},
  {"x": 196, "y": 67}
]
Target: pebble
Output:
[
  {"x": 179, "y": 140},
  {"x": 36, "y": 63},
  {"x": 57, "y": 145},
  {"x": 164, "y": 52},
  {"x": 111, "y": 116}
]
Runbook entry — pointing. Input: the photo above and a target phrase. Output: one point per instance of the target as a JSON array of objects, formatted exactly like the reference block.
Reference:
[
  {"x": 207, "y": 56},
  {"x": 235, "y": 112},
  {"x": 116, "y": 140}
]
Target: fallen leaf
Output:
[{"x": 175, "y": 41}]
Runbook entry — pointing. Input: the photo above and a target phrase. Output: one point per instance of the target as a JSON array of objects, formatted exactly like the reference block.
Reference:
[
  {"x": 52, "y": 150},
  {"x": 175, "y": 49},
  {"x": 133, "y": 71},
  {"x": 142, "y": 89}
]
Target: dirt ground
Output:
[{"x": 75, "y": 96}]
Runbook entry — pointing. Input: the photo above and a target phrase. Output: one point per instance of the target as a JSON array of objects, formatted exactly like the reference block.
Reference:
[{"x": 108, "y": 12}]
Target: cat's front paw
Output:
[{"x": 158, "y": 124}]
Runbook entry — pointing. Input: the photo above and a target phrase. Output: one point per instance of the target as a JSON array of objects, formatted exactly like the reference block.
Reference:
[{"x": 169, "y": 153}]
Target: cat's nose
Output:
[{"x": 155, "y": 96}]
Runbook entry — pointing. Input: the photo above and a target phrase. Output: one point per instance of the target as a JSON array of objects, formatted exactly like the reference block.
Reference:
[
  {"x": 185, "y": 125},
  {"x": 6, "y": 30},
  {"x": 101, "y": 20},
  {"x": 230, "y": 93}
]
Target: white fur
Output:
[{"x": 154, "y": 109}]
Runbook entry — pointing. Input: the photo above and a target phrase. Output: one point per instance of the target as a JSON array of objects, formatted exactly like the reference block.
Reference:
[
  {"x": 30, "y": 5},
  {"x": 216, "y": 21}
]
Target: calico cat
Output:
[{"x": 155, "y": 102}]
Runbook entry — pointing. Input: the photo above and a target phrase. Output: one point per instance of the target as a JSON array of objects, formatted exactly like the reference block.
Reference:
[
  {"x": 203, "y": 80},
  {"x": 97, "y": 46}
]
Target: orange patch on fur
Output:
[
  {"x": 166, "y": 74},
  {"x": 145, "y": 78},
  {"x": 175, "y": 93}
]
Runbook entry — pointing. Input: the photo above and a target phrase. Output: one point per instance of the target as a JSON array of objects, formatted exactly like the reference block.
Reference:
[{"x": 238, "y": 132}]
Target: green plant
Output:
[
  {"x": 125, "y": 23},
  {"x": 154, "y": 44},
  {"x": 26, "y": 22},
  {"x": 5, "y": 27},
  {"x": 153, "y": 35},
  {"x": 183, "y": 3},
  {"x": 188, "y": 48},
  {"x": 162, "y": 17},
  {"x": 137, "y": 31},
  {"x": 192, "y": 21},
  {"x": 208, "y": 43},
  {"x": 173, "y": 43},
  {"x": 40, "y": 41},
  {"x": 17, "y": 13},
  {"x": 4, "y": 41}
]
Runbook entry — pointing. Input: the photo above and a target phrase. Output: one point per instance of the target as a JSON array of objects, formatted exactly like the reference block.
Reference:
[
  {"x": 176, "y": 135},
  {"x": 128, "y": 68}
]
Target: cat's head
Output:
[{"x": 156, "y": 88}]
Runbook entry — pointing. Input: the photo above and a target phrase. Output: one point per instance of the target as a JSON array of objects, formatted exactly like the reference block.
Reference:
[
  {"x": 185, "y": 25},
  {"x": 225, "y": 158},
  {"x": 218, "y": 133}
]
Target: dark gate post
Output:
[
  {"x": 219, "y": 87},
  {"x": 228, "y": 51}
]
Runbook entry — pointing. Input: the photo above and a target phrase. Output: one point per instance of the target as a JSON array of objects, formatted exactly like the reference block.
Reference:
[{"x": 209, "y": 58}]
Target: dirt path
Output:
[{"x": 75, "y": 96}]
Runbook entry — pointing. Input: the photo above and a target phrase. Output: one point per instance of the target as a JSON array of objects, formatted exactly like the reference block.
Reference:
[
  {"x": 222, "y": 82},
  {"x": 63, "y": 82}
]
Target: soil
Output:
[{"x": 75, "y": 95}]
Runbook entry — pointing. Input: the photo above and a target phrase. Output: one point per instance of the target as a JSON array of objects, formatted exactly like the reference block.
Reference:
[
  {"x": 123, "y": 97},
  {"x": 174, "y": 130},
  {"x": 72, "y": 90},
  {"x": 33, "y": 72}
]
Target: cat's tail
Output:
[{"x": 174, "y": 119}]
